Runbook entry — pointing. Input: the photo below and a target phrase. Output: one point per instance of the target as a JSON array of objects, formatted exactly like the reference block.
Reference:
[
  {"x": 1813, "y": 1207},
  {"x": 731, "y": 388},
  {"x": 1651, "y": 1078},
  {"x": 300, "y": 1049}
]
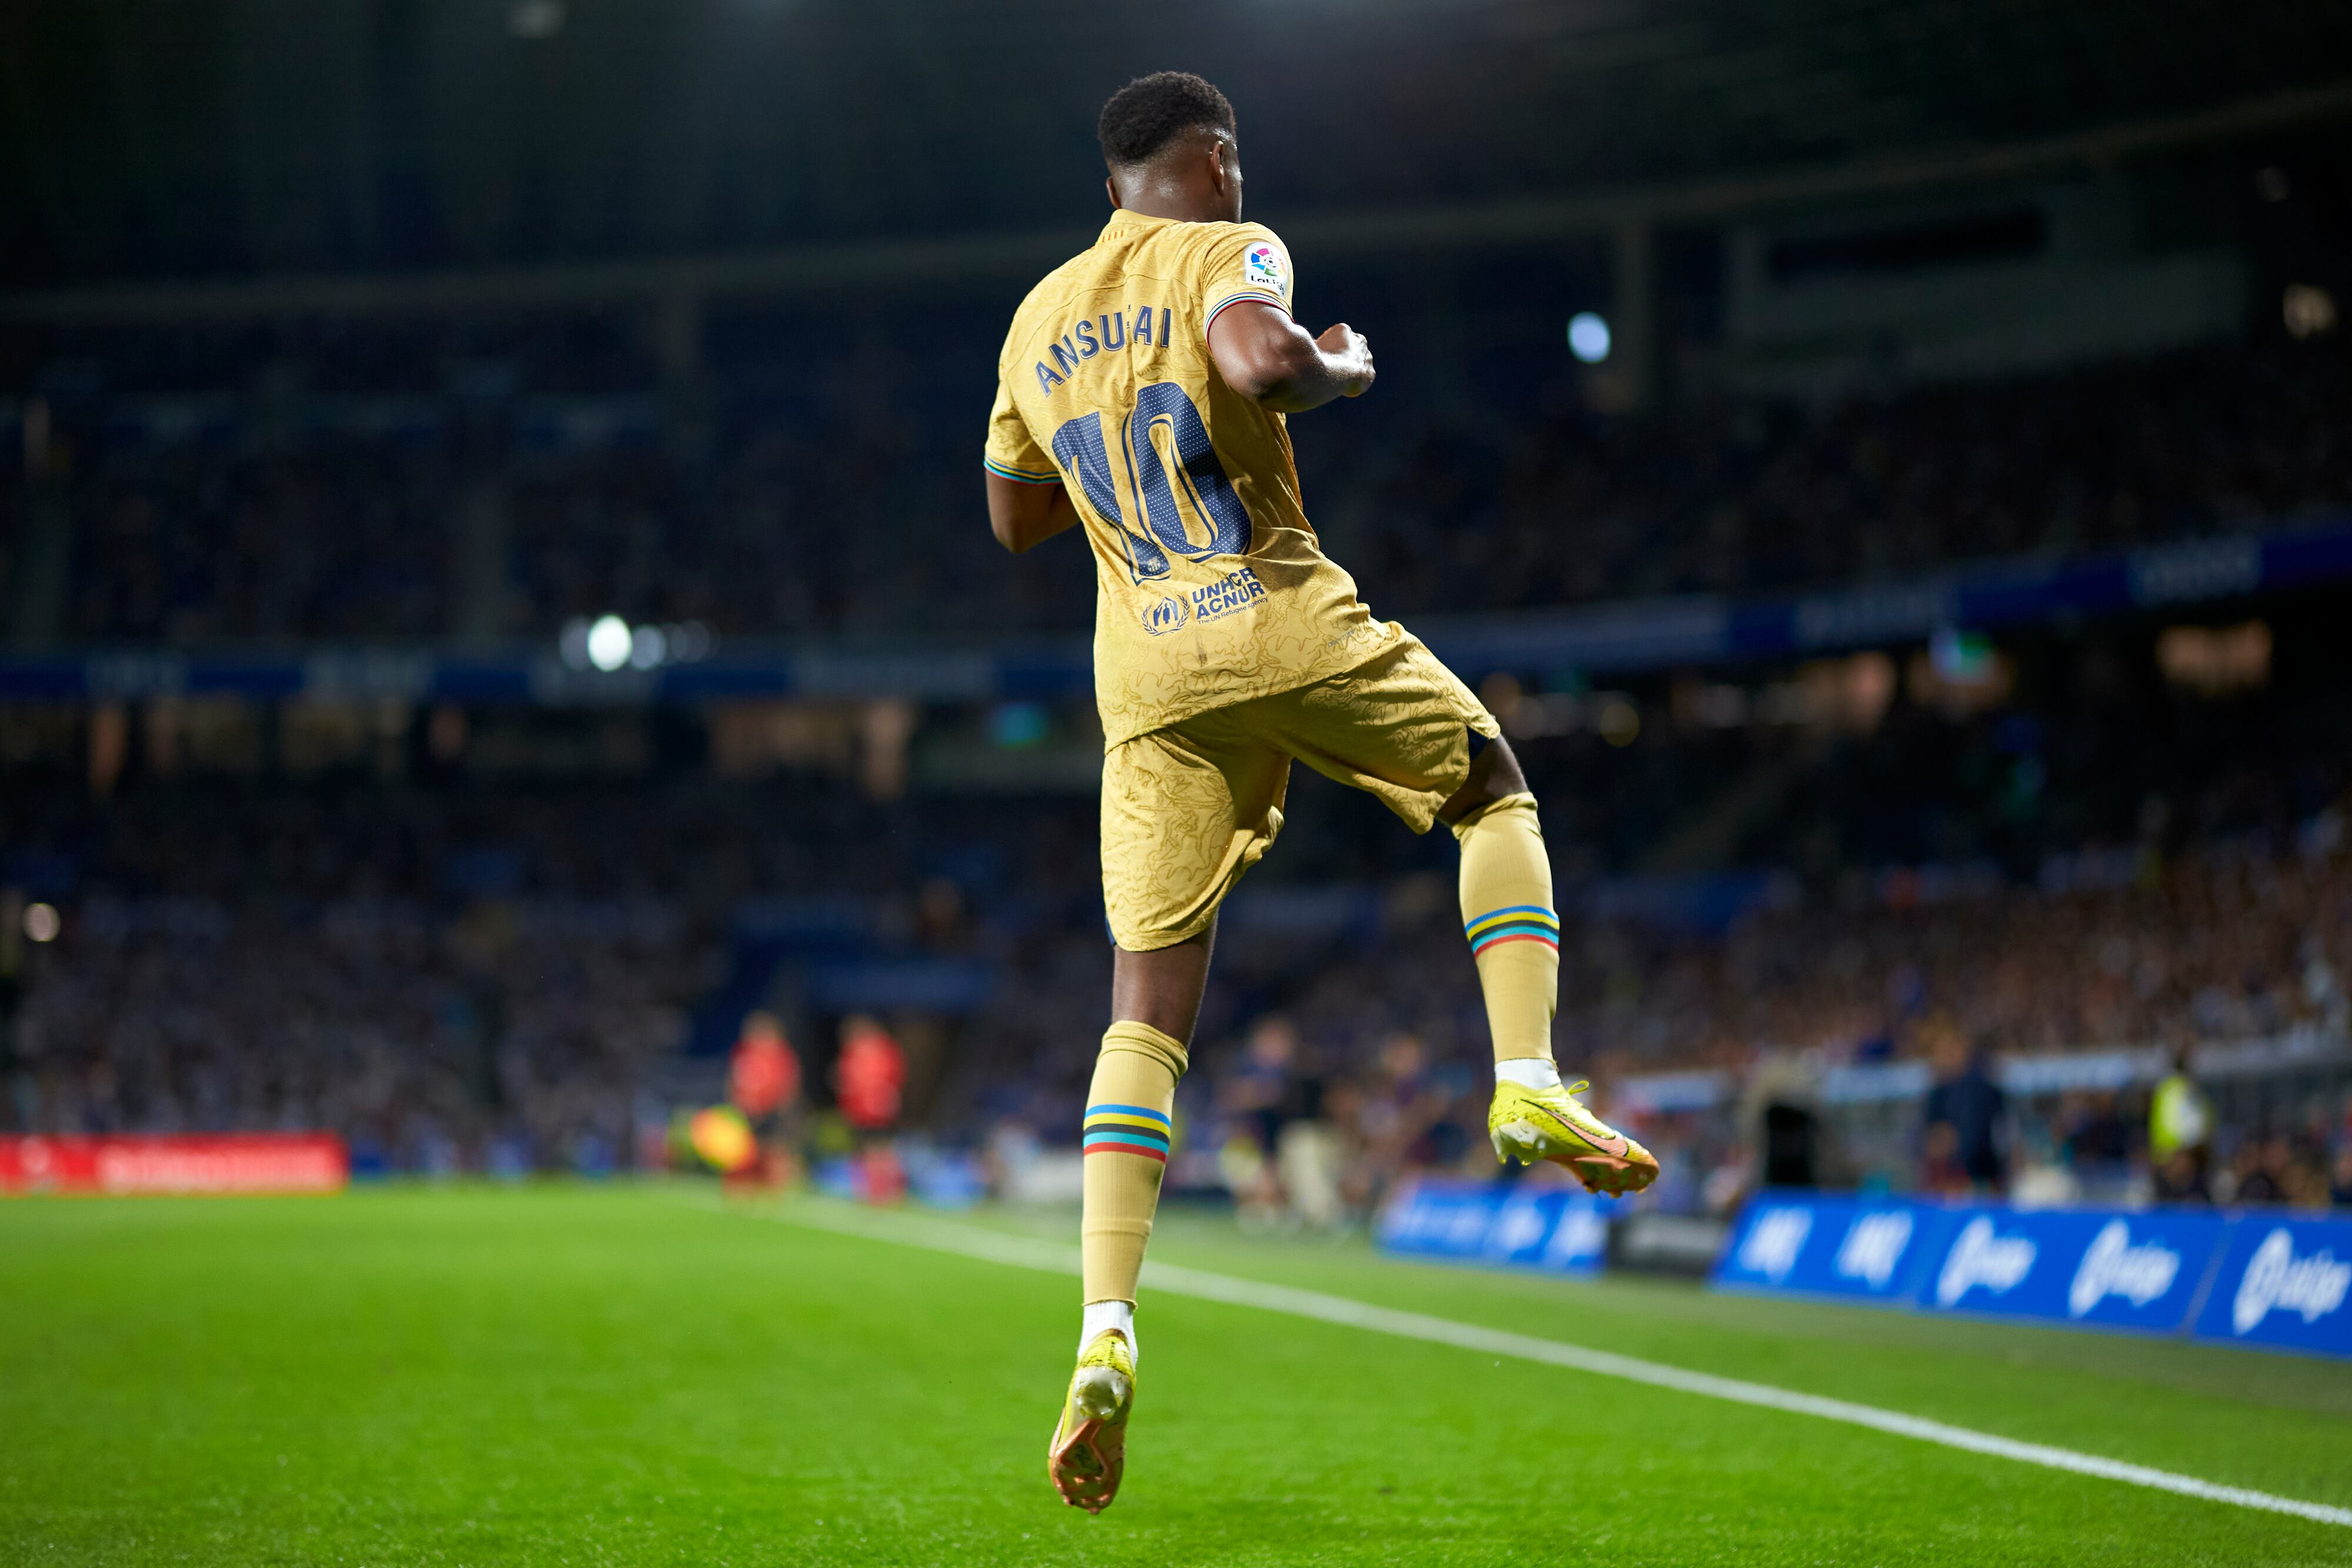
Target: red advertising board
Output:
[{"x": 244, "y": 1161}]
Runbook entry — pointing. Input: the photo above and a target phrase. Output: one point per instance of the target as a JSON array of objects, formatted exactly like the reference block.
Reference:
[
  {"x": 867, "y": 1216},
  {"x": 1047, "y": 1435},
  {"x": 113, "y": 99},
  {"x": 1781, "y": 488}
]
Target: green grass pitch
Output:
[{"x": 621, "y": 1375}]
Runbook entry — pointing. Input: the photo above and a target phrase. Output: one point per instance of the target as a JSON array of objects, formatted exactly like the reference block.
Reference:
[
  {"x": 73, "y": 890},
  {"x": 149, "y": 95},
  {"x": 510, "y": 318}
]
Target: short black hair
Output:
[{"x": 1149, "y": 112}]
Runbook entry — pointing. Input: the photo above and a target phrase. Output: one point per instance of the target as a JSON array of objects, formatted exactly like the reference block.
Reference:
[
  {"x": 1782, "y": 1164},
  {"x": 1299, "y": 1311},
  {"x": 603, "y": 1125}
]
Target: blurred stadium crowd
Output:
[
  {"x": 323, "y": 497},
  {"x": 2054, "y": 850},
  {"x": 460, "y": 974}
]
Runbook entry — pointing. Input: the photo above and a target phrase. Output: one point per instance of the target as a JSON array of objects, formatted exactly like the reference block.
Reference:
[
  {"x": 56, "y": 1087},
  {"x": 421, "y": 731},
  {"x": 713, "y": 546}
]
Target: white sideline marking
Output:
[{"x": 1055, "y": 1258}]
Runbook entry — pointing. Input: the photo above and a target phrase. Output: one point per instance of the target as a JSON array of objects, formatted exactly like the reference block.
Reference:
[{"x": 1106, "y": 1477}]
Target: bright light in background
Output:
[
  {"x": 1588, "y": 337},
  {"x": 41, "y": 922},
  {"x": 609, "y": 643},
  {"x": 2309, "y": 310},
  {"x": 536, "y": 19}
]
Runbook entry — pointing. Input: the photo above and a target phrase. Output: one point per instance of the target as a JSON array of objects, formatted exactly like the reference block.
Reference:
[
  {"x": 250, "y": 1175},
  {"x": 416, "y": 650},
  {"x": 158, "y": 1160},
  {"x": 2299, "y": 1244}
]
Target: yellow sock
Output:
[
  {"x": 1514, "y": 931},
  {"x": 1126, "y": 1140}
]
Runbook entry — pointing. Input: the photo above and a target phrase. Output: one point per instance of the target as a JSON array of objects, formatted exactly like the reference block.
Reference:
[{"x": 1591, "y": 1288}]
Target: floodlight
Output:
[
  {"x": 1588, "y": 337},
  {"x": 610, "y": 643}
]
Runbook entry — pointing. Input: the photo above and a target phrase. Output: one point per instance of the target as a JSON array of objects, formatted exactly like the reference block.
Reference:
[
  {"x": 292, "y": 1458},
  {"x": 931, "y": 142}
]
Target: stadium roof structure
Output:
[{"x": 235, "y": 139}]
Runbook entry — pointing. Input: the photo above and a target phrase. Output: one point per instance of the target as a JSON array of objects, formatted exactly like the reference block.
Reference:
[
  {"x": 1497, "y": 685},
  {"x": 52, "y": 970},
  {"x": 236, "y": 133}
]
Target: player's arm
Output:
[
  {"x": 1269, "y": 359},
  {"x": 1023, "y": 516},
  {"x": 1027, "y": 503}
]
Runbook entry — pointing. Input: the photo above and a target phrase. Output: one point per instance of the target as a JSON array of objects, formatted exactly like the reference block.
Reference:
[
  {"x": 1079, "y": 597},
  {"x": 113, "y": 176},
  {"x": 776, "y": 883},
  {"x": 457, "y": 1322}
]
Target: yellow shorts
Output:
[{"x": 1188, "y": 809}]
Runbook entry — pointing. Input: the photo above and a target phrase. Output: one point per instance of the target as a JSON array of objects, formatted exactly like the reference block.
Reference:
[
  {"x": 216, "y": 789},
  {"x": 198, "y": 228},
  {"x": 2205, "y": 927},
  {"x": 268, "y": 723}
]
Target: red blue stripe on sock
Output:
[
  {"x": 1515, "y": 923},
  {"x": 1127, "y": 1130}
]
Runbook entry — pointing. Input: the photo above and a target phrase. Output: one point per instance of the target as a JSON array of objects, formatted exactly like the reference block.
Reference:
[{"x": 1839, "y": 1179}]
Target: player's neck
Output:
[
  {"x": 1181, "y": 206},
  {"x": 1185, "y": 190}
]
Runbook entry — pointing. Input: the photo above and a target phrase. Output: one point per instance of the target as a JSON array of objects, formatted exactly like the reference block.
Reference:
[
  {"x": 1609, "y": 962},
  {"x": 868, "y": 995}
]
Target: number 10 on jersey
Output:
[{"x": 1165, "y": 448}]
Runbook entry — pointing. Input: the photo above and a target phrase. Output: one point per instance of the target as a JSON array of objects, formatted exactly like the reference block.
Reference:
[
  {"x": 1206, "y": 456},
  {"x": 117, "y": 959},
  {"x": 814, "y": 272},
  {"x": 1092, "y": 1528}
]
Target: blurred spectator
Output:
[
  {"x": 444, "y": 969},
  {"x": 1393, "y": 1114},
  {"x": 1260, "y": 1093},
  {"x": 2180, "y": 1136},
  {"x": 218, "y": 513},
  {"x": 870, "y": 1075},
  {"x": 763, "y": 1082},
  {"x": 2095, "y": 1139},
  {"x": 2265, "y": 1171},
  {"x": 765, "y": 1075},
  {"x": 1259, "y": 1098},
  {"x": 1309, "y": 1157},
  {"x": 1961, "y": 1124}
]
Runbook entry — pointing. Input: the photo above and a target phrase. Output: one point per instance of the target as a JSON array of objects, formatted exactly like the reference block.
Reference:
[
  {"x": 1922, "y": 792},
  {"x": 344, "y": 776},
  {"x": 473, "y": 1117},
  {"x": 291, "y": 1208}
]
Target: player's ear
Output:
[
  {"x": 1225, "y": 173},
  {"x": 1111, "y": 185}
]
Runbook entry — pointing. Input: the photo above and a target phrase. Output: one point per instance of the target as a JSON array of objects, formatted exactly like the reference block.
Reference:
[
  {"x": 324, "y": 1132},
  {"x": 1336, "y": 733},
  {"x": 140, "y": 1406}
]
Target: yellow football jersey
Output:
[{"x": 1210, "y": 587}]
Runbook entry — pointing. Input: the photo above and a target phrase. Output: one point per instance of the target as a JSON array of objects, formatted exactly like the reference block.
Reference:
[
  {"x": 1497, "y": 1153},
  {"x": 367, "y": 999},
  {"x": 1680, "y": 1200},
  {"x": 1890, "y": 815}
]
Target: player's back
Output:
[{"x": 1212, "y": 587}]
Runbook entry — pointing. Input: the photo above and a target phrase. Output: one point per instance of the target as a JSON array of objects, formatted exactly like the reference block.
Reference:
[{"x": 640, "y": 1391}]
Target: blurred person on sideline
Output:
[
  {"x": 869, "y": 1081},
  {"x": 1259, "y": 1098},
  {"x": 2096, "y": 1138},
  {"x": 763, "y": 1077},
  {"x": 1258, "y": 1090},
  {"x": 1397, "y": 1110},
  {"x": 2262, "y": 1172},
  {"x": 2179, "y": 1137},
  {"x": 763, "y": 1082},
  {"x": 1310, "y": 1155},
  {"x": 1962, "y": 1123},
  {"x": 870, "y": 1077}
]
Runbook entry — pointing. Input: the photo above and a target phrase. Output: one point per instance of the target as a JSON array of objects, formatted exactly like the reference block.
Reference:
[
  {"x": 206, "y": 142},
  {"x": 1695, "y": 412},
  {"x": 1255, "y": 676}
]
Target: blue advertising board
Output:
[
  {"x": 1551, "y": 1228},
  {"x": 2133, "y": 1270},
  {"x": 2244, "y": 1279},
  {"x": 1860, "y": 1249},
  {"x": 2282, "y": 1284}
]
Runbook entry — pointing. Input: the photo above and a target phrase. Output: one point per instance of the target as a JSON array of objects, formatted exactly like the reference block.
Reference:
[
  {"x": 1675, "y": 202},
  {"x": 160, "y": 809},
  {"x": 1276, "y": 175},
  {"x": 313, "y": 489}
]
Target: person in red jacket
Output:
[
  {"x": 871, "y": 1075},
  {"x": 763, "y": 1082},
  {"x": 764, "y": 1077}
]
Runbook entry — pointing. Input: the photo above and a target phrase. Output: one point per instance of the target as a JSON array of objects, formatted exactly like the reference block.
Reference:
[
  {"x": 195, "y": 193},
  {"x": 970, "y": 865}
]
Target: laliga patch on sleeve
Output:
[{"x": 1262, "y": 267}]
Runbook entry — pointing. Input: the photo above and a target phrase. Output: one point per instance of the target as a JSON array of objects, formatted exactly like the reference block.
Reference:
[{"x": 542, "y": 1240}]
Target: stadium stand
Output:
[
  {"x": 327, "y": 503},
  {"x": 456, "y": 966}
]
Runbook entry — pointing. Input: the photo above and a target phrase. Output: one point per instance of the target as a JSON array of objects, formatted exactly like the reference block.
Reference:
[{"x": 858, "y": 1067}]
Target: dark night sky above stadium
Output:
[{"x": 192, "y": 137}]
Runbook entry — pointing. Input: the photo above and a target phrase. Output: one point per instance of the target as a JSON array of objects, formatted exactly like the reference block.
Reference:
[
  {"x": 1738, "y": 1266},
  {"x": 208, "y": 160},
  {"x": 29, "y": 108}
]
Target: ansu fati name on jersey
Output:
[
  {"x": 1106, "y": 334},
  {"x": 1233, "y": 592},
  {"x": 1106, "y": 386}
]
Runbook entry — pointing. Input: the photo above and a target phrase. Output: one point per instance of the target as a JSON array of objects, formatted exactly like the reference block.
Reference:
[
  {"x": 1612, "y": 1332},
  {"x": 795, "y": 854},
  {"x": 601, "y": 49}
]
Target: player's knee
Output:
[
  {"x": 1494, "y": 776},
  {"x": 1502, "y": 776}
]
